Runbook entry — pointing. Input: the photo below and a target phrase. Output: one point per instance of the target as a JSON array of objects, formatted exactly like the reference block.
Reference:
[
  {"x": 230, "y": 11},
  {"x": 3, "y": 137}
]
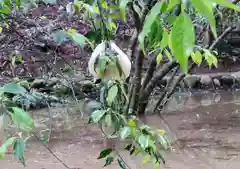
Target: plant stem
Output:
[
  {"x": 143, "y": 100},
  {"x": 118, "y": 154},
  {"x": 166, "y": 89}
]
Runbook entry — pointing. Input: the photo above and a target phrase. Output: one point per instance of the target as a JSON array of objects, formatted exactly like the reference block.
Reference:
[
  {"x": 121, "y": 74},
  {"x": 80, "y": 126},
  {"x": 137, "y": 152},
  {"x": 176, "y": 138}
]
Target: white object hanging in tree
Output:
[{"x": 123, "y": 60}]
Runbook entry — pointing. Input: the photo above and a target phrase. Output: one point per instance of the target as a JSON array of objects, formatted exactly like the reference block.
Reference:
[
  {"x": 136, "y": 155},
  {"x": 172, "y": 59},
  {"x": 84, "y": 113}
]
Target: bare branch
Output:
[
  {"x": 143, "y": 100},
  {"x": 166, "y": 90}
]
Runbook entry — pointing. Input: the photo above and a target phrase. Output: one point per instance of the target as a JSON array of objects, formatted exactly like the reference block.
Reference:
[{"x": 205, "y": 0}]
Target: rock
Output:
[
  {"x": 53, "y": 81},
  {"x": 217, "y": 98},
  {"x": 207, "y": 100},
  {"x": 228, "y": 80},
  {"x": 61, "y": 89},
  {"x": 39, "y": 83},
  {"x": 85, "y": 85},
  {"x": 78, "y": 77},
  {"x": 206, "y": 80},
  {"x": 236, "y": 75},
  {"x": 216, "y": 82},
  {"x": 191, "y": 80}
]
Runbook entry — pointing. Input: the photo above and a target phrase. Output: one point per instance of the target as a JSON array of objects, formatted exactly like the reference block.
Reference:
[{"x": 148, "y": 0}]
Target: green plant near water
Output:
[
  {"x": 160, "y": 32},
  {"x": 16, "y": 117}
]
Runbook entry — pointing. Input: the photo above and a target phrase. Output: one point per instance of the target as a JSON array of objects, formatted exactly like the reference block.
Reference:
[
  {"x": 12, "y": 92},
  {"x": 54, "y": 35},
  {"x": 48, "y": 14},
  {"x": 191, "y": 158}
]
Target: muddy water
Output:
[{"x": 206, "y": 125}]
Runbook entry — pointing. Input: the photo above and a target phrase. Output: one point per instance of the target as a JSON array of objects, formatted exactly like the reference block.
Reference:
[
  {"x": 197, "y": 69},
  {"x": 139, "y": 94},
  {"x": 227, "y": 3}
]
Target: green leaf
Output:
[
  {"x": 163, "y": 142},
  {"x": 164, "y": 41},
  {"x": 5, "y": 145},
  {"x": 168, "y": 54},
  {"x": 159, "y": 156},
  {"x": 102, "y": 62},
  {"x": 159, "y": 58},
  {"x": 226, "y": 3},
  {"x": 5, "y": 10},
  {"x": 18, "y": 150},
  {"x": 171, "y": 19},
  {"x": 182, "y": 40},
  {"x": 94, "y": 36},
  {"x": 121, "y": 164},
  {"x": 128, "y": 147},
  {"x": 2, "y": 120},
  {"x": 112, "y": 93},
  {"x": 172, "y": 4},
  {"x": 78, "y": 38},
  {"x": 104, "y": 4},
  {"x": 156, "y": 164},
  {"x": 150, "y": 18},
  {"x": 123, "y": 5},
  {"x": 156, "y": 34},
  {"x": 210, "y": 58},
  {"x": 108, "y": 120},
  {"x": 109, "y": 160},
  {"x": 14, "y": 88},
  {"x": 164, "y": 6},
  {"x": 105, "y": 153},
  {"x": 125, "y": 132},
  {"x": 50, "y": 1},
  {"x": 59, "y": 36},
  {"x": 197, "y": 57},
  {"x": 97, "y": 115},
  {"x": 132, "y": 123},
  {"x": 146, "y": 159},
  {"x": 143, "y": 141},
  {"x": 22, "y": 119},
  {"x": 203, "y": 8},
  {"x": 18, "y": 3}
]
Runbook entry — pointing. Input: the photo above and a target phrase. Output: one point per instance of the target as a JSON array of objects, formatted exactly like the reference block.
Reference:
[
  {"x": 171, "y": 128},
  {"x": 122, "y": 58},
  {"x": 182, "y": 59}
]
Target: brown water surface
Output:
[{"x": 206, "y": 125}]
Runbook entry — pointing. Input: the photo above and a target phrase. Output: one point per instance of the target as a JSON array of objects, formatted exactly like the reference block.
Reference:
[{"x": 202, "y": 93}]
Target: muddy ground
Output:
[{"x": 30, "y": 37}]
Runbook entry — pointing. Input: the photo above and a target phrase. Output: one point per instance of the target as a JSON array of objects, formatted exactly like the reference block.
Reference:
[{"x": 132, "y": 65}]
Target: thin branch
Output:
[
  {"x": 150, "y": 71},
  {"x": 65, "y": 165},
  {"x": 118, "y": 154},
  {"x": 166, "y": 89},
  {"x": 236, "y": 2},
  {"x": 221, "y": 37},
  {"x": 137, "y": 81},
  {"x": 148, "y": 90}
]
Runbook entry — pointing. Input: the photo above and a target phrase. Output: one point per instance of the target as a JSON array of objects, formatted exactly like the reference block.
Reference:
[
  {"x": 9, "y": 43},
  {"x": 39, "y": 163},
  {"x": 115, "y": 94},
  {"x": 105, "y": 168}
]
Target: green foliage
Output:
[
  {"x": 144, "y": 140},
  {"x": 18, "y": 150},
  {"x": 97, "y": 115},
  {"x": 4, "y": 147},
  {"x": 109, "y": 160},
  {"x": 21, "y": 119},
  {"x": 182, "y": 40},
  {"x": 105, "y": 153},
  {"x": 112, "y": 93},
  {"x": 14, "y": 88}
]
